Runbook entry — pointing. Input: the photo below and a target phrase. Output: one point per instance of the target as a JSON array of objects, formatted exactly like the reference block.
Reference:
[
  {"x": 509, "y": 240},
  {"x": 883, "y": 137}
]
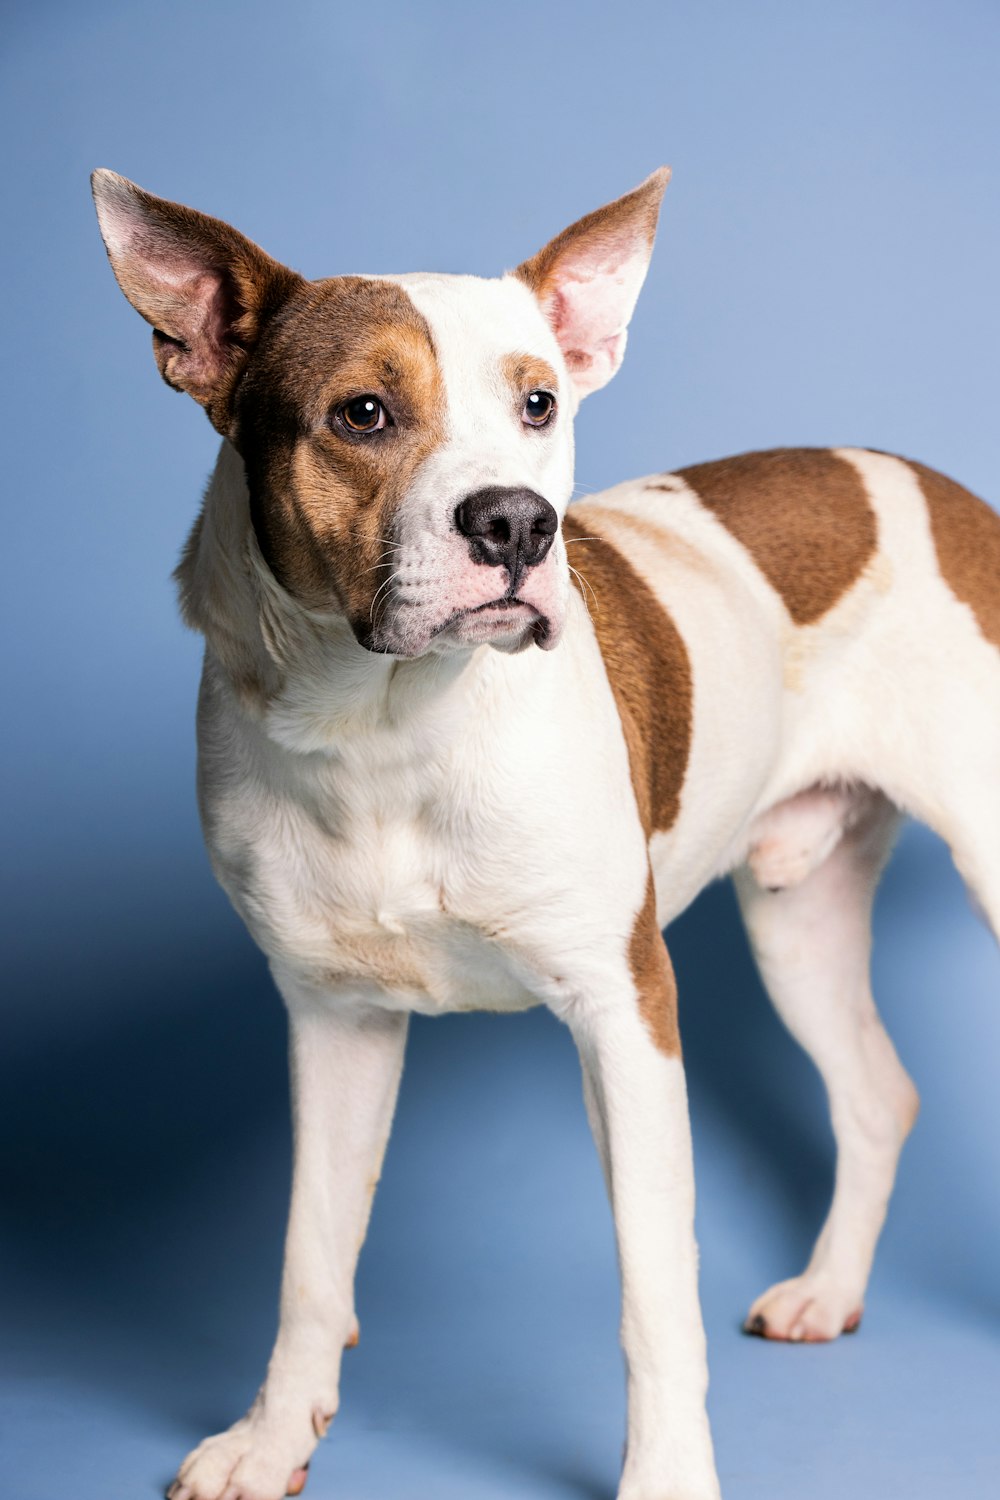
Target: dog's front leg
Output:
[
  {"x": 637, "y": 1103},
  {"x": 346, "y": 1061}
]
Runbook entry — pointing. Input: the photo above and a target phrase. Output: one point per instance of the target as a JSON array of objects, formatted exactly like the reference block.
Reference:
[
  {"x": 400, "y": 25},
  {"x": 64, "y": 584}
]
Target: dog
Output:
[{"x": 461, "y": 747}]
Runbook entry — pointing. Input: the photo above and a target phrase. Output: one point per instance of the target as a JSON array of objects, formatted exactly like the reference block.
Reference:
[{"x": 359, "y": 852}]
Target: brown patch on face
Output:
[
  {"x": 801, "y": 513},
  {"x": 653, "y": 974},
  {"x": 527, "y": 372},
  {"x": 646, "y": 662},
  {"x": 324, "y": 501},
  {"x": 966, "y": 536}
]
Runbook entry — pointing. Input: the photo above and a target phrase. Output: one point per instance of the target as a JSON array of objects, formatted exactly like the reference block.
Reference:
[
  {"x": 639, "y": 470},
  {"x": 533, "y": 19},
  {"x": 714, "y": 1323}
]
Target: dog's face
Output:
[{"x": 408, "y": 440}]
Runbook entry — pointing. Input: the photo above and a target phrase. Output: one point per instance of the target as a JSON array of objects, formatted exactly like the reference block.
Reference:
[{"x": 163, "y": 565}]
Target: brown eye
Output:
[
  {"x": 363, "y": 414},
  {"x": 539, "y": 409}
]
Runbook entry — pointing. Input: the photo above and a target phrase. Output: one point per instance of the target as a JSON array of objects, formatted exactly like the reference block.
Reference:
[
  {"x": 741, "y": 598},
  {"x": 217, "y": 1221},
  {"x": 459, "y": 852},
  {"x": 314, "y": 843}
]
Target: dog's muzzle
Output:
[{"x": 507, "y": 528}]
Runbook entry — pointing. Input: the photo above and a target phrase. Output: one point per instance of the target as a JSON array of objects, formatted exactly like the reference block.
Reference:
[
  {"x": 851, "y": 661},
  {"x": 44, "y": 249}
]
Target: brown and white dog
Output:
[{"x": 441, "y": 768}]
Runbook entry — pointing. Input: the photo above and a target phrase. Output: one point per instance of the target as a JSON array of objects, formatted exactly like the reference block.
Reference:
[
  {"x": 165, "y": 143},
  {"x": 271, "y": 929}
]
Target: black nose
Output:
[{"x": 507, "y": 528}]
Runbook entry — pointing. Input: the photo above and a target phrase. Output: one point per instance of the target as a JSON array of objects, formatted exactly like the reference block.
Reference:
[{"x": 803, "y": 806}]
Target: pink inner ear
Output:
[
  {"x": 586, "y": 318},
  {"x": 206, "y": 308},
  {"x": 588, "y": 305},
  {"x": 203, "y": 286},
  {"x": 191, "y": 305},
  {"x": 588, "y": 278},
  {"x": 186, "y": 287},
  {"x": 174, "y": 285},
  {"x": 198, "y": 341}
]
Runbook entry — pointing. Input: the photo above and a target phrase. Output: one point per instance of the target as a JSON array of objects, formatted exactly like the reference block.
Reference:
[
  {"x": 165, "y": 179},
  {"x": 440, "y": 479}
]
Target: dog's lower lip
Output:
[{"x": 501, "y": 605}]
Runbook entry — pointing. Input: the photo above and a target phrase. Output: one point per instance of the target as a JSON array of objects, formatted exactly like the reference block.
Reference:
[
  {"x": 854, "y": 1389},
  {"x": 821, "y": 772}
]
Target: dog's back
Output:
[{"x": 829, "y": 601}]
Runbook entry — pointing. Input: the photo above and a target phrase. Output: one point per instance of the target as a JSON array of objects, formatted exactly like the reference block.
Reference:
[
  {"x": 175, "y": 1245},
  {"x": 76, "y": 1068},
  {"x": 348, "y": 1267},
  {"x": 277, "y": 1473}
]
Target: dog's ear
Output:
[
  {"x": 588, "y": 279},
  {"x": 205, "y": 288}
]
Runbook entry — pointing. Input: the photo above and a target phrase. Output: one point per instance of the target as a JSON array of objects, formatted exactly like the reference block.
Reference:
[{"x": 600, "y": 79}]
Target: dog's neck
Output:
[{"x": 300, "y": 673}]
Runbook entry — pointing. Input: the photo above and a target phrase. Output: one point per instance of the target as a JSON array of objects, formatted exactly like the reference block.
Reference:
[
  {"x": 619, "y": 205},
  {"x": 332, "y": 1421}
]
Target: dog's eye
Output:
[
  {"x": 363, "y": 414},
  {"x": 539, "y": 408}
]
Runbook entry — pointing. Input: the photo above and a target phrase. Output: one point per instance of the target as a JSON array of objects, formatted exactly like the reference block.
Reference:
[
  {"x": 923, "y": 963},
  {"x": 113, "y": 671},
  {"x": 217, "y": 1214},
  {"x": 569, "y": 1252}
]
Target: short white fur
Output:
[{"x": 447, "y": 829}]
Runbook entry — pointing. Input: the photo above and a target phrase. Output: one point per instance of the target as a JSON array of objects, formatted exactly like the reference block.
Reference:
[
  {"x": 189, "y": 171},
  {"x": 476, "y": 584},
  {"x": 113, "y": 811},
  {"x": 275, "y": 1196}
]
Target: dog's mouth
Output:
[
  {"x": 509, "y": 623},
  {"x": 501, "y": 622}
]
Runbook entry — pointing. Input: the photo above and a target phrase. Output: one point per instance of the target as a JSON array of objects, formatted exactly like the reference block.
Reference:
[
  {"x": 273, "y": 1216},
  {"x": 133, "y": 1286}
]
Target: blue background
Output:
[{"x": 826, "y": 273}]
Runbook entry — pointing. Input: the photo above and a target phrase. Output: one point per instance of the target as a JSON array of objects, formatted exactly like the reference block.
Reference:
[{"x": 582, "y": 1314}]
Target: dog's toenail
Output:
[
  {"x": 757, "y": 1324},
  {"x": 321, "y": 1422}
]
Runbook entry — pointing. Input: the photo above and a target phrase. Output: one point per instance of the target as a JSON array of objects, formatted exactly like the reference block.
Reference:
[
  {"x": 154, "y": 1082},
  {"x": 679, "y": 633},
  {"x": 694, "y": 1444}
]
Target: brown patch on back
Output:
[
  {"x": 801, "y": 513},
  {"x": 671, "y": 546},
  {"x": 323, "y": 504},
  {"x": 653, "y": 974},
  {"x": 650, "y": 676},
  {"x": 647, "y": 666},
  {"x": 966, "y": 534}
]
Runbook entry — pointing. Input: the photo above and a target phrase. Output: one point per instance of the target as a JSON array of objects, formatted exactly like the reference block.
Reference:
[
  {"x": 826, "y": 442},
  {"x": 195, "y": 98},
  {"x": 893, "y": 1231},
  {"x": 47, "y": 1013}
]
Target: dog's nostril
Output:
[{"x": 507, "y": 528}]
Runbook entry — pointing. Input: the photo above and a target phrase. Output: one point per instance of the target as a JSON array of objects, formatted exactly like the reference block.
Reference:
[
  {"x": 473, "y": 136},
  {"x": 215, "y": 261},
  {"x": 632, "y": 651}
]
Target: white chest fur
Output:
[{"x": 432, "y": 839}]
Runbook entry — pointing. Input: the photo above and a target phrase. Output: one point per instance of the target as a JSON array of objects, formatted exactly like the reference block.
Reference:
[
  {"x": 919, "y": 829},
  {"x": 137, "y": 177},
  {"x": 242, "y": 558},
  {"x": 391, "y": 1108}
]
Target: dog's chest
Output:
[{"x": 357, "y": 866}]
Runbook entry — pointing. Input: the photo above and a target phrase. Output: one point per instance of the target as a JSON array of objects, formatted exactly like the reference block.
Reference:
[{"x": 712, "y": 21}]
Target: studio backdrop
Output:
[{"x": 826, "y": 273}]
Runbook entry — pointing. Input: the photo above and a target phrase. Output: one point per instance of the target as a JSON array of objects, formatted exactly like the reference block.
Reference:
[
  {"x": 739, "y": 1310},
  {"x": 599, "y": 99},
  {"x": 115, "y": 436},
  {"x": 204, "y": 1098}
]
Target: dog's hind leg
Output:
[
  {"x": 346, "y": 1061},
  {"x": 812, "y": 942}
]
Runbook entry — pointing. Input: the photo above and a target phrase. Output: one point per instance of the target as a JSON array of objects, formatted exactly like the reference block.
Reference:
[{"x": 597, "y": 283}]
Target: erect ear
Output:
[
  {"x": 588, "y": 279},
  {"x": 206, "y": 288}
]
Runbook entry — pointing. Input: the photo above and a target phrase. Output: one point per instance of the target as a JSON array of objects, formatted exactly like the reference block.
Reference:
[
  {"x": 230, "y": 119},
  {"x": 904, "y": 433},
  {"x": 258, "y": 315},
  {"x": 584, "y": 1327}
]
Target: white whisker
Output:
[
  {"x": 587, "y": 586},
  {"x": 391, "y": 579},
  {"x": 380, "y": 564}
]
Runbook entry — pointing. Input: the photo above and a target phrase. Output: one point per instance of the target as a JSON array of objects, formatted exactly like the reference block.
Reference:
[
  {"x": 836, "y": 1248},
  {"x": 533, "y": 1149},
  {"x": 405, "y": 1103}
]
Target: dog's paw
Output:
[
  {"x": 677, "y": 1464},
  {"x": 806, "y": 1310},
  {"x": 254, "y": 1460}
]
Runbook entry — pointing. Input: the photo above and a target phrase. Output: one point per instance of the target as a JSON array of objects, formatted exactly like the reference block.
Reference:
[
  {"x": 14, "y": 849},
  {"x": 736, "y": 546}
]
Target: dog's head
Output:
[{"x": 408, "y": 440}]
